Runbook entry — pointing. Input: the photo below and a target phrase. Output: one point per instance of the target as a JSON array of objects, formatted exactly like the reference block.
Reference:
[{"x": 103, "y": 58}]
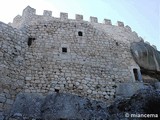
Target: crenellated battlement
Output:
[
  {"x": 120, "y": 24},
  {"x": 79, "y": 17},
  {"x": 28, "y": 11},
  {"x": 93, "y": 19},
  {"x": 107, "y": 22},
  {"x": 47, "y": 13},
  {"x": 29, "y": 15},
  {"x": 63, "y": 16}
]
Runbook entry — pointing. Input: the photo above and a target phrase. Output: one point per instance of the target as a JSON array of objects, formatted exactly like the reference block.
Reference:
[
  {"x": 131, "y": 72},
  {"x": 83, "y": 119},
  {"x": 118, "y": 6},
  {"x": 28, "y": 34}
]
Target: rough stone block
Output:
[
  {"x": 107, "y": 22},
  {"x": 47, "y": 13},
  {"x": 120, "y": 24},
  {"x": 154, "y": 47},
  {"x": 128, "y": 89},
  {"x": 28, "y": 11},
  {"x": 93, "y": 19},
  {"x": 28, "y": 78},
  {"x": 9, "y": 101},
  {"x": 128, "y": 28},
  {"x": 2, "y": 99},
  {"x": 135, "y": 33},
  {"x": 28, "y": 104},
  {"x": 157, "y": 85},
  {"x": 64, "y": 16},
  {"x": 79, "y": 17}
]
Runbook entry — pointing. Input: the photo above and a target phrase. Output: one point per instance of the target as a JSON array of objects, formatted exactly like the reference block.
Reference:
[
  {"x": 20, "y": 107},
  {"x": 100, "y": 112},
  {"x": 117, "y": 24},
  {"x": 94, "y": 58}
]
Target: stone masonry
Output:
[{"x": 44, "y": 54}]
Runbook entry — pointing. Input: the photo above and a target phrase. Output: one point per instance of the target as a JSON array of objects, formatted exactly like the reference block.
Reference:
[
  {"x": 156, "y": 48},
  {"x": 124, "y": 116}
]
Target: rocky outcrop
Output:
[
  {"x": 56, "y": 106},
  {"x": 67, "y": 106},
  {"x": 145, "y": 101},
  {"x": 147, "y": 57},
  {"x": 27, "y": 105}
]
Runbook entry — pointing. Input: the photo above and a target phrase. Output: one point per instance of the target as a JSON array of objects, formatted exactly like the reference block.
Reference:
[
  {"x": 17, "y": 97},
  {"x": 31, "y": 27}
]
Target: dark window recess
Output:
[
  {"x": 135, "y": 71},
  {"x": 30, "y": 40},
  {"x": 56, "y": 90},
  {"x": 114, "y": 96},
  {"x": 64, "y": 49},
  {"x": 117, "y": 44},
  {"x": 80, "y": 33},
  {"x": 60, "y": 70}
]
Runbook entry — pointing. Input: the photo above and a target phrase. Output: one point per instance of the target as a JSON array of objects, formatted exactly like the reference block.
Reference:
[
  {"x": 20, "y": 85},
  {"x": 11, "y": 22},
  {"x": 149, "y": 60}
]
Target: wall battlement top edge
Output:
[
  {"x": 29, "y": 16},
  {"x": 30, "y": 12}
]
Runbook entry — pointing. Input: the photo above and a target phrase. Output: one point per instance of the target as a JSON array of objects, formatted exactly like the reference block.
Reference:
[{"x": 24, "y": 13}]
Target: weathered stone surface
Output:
[
  {"x": 57, "y": 106},
  {"x": 146, "y": 56},
  {"x": 128, "y": 89},
  {"x": 145, "y": 101},
  {"x": 67, "y": 106},
  {"x": 1, "y": 117},
  {"x": 157, "y": 85},
  {"x": 27, "y": 105}
]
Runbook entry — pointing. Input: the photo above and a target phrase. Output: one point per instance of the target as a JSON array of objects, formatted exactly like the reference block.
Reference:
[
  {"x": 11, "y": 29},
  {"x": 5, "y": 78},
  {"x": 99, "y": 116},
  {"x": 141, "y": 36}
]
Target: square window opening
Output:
[
  {"x": 80, "y": 33},
  {"x": 64, "y": 49}
]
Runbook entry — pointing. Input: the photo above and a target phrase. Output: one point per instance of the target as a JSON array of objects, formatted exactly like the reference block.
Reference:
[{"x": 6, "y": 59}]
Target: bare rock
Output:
[
  {"x": 57, "y": 106},
  {"x": 145, "y": 101},
  {"x": 27, "y": 105},
  {"x": 67, "y": 106},
  {"x": 147, "y": 57}
]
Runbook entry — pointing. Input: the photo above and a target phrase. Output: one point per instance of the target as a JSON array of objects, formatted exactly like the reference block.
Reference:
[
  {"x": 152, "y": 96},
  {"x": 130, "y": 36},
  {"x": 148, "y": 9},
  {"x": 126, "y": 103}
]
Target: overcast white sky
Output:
[{"x": 143, "y": 16}]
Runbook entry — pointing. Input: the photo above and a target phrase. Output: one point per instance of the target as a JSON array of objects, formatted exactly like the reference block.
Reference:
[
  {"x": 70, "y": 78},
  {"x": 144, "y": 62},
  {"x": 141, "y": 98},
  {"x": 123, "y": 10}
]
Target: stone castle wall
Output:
[
  {"x": 12, "y": 64},
  {"x": 92, "y": 65},
  {"x": 46, "y": 54}
]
